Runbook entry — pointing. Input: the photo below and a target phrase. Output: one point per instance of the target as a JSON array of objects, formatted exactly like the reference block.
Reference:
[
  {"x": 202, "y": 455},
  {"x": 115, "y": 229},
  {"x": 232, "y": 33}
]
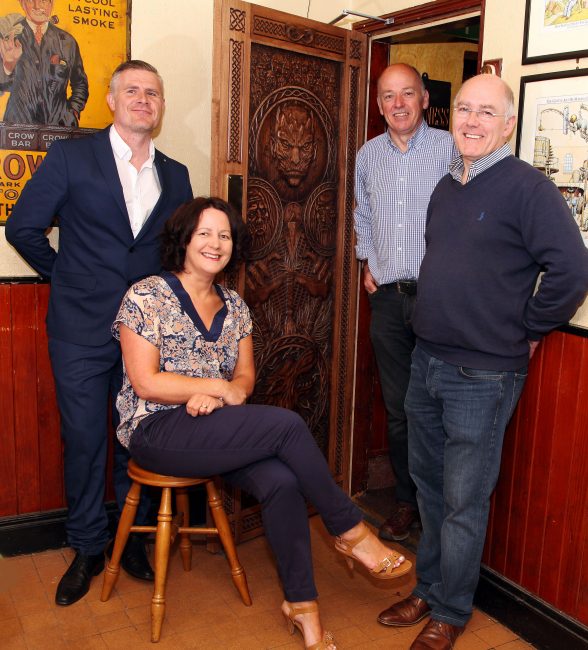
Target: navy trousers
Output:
[
  {"x": 269, "y": 452},
  {"x": 85, "y": 378}
]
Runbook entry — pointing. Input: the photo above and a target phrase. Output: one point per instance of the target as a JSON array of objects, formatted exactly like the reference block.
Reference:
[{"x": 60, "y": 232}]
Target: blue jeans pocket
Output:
[{"x": 481, "y": 375}]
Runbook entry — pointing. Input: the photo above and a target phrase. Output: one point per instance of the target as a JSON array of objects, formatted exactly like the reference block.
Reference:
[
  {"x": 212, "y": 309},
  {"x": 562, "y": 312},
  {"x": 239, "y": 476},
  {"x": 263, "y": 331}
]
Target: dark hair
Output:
[
  {"x": 179, "y": 228},
  {"x": 133, "y": 64}
]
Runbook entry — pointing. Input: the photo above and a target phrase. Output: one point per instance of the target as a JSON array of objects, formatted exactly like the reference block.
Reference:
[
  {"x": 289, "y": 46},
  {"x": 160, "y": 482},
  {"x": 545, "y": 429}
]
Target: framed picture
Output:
[
  {"x": 555, "y": 30},
  {"x": 56, "y": 62},
  {"x": 553, "y": 137}
]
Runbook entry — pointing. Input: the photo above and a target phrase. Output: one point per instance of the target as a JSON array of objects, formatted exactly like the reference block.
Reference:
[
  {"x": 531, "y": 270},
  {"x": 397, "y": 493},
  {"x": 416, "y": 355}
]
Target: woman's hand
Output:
[{"x": 200, "y": 404}]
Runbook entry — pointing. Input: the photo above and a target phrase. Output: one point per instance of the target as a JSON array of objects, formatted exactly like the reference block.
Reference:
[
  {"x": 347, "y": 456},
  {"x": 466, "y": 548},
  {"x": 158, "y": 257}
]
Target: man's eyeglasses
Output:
[{"x": 484, "y": 115}]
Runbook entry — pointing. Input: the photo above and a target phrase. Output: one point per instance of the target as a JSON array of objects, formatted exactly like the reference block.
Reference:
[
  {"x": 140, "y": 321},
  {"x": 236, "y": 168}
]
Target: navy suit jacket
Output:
[{"x": 98, "y": 256}]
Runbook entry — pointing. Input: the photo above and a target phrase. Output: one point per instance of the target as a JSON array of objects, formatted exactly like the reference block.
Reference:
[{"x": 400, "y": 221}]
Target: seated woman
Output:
[{"x": 188, "y": 369}]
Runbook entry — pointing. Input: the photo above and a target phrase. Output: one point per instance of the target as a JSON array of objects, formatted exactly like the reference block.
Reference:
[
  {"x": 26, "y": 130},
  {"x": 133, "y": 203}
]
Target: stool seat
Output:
[
  {"x": 145, "y": 477},
  {"x": 165, "y": 532}
]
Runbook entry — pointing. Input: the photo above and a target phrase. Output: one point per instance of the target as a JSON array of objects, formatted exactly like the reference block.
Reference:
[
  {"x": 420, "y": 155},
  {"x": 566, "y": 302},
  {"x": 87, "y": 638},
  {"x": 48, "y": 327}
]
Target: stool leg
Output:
[
  {"x": 183, "y": 506},
  {"x": 127, "y": 519},
  {"x": 162, "y": 544},
  {"x": 226, "y": 538}
]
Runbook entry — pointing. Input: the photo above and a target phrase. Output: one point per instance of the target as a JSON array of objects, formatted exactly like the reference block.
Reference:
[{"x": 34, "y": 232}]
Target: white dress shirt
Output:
[{"x": 141, "y": 188}]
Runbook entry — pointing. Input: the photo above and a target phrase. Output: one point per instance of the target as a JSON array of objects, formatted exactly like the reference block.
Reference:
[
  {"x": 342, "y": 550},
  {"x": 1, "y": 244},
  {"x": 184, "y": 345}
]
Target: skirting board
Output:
[
  {"x": 39, "y": 531},
  {"x": 530, "y": 617},
  {"x": 42, "y": 531}
]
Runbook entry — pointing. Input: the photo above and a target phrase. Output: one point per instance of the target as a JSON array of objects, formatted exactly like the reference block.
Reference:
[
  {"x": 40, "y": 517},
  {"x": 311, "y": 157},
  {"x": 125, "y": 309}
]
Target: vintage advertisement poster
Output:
[{"x": 57, "y": 57}]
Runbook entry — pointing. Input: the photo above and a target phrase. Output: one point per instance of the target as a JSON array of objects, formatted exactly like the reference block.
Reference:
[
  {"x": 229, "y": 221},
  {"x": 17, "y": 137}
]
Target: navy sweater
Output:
[{"x": 487, "y": 240}]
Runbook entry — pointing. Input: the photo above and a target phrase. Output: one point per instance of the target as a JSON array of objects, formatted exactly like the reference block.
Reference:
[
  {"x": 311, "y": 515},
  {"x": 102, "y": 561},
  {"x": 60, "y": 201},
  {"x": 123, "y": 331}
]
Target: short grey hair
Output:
[
  {"x": 133, "y": 64},
  {"x": 509, "y": 108}
]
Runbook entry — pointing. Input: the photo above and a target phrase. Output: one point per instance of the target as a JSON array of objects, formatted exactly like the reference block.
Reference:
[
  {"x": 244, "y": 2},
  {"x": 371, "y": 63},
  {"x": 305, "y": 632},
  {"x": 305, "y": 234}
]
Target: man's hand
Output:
[
  {"x": 368, "y": 280},
  {"x": 10, "y": 52}
]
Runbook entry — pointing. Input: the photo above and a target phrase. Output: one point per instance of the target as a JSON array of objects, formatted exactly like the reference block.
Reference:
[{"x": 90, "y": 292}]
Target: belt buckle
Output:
[{"x": 406, "y": 287}]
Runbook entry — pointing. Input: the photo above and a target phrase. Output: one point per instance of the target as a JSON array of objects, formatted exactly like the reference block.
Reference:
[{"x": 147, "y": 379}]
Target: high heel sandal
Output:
[
  {"x": 294, "y": 610},
  {"x": 385, "y": 570}
]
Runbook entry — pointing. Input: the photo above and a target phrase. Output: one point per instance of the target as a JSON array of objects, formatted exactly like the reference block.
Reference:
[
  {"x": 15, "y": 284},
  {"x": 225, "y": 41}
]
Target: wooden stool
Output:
[{"x": 165, "y": 532}]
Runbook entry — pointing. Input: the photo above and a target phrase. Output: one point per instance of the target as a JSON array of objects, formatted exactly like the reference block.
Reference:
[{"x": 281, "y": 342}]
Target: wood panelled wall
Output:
[
  {"x": 31, "y": 466},
  {"x": 31, "y": 469},
  {"x": 538, "y": 529}
]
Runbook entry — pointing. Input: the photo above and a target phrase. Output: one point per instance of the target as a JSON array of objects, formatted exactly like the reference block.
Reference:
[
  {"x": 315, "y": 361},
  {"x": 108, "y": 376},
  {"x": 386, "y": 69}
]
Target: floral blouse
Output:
[{"x": 159, "y": 309}]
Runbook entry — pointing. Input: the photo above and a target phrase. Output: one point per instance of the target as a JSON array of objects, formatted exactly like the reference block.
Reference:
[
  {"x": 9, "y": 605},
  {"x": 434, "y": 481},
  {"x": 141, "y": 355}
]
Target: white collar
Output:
[{"x": 123, "y": 151}]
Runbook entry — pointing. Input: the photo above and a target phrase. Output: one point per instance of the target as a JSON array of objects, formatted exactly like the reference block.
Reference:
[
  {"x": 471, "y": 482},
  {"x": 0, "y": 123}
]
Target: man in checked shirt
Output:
[{"x": 395, "y": 175}]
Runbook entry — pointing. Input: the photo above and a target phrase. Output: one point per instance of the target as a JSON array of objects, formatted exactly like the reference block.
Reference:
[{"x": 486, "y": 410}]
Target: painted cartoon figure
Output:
[{"x": 39, "y": 60}]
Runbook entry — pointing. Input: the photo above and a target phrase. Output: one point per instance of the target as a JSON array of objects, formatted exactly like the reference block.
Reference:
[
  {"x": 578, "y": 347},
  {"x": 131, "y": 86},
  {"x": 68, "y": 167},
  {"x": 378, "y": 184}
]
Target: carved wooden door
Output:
[{"x": 288, "y": 99}]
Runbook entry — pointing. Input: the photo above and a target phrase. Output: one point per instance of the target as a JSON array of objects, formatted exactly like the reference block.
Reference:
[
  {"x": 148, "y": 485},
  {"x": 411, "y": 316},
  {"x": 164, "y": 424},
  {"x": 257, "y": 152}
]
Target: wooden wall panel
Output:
[
  {"x": 8, "y": 493},
  {"x": 50, "y": 446},
  {"x": 25, "y": 402},
  {"x": 538, "y": 532},
  {"x": 31, "y": 469}
]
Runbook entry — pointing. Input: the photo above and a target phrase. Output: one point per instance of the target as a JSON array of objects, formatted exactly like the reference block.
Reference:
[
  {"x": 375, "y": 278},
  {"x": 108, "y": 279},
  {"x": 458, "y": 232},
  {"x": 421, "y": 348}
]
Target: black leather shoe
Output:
[
  {"x": 76, "y": 580},
  {"x": 134, "y": 560}
]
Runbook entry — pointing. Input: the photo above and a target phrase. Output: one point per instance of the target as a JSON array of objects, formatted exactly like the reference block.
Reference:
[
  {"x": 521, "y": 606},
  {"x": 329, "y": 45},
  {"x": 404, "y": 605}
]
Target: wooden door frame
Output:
[{"x": 368, "y": 405}]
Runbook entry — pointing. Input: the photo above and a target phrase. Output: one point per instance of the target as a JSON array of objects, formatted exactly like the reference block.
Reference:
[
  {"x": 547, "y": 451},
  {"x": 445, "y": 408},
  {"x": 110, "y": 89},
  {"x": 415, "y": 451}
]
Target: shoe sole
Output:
[{"x": 417, "y": 620}]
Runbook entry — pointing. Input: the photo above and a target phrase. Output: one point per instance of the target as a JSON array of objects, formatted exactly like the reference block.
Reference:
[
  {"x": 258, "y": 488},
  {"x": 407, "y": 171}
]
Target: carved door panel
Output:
[{"x": 289, "y": 101}]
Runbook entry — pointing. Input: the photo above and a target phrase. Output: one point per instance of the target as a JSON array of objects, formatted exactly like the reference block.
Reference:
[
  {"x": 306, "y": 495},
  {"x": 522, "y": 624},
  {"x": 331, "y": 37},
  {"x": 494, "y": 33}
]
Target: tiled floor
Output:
[{"x": 204, "y": 610}]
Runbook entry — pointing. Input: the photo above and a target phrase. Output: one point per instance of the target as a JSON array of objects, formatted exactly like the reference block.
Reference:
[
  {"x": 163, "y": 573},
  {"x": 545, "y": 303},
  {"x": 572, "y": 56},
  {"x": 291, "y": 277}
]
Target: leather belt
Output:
[{"x": 407, "y": 287}]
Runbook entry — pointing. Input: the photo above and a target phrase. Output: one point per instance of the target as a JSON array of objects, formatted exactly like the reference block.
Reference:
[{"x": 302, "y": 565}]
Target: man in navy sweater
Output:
[{"x": 493, "y": 224}]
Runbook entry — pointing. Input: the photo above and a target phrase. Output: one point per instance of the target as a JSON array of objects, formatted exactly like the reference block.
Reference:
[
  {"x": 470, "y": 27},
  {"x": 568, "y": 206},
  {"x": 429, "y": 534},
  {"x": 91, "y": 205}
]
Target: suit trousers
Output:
[
  {"x": 267, "y": 451},
  {"x": 85, "y": 378}
]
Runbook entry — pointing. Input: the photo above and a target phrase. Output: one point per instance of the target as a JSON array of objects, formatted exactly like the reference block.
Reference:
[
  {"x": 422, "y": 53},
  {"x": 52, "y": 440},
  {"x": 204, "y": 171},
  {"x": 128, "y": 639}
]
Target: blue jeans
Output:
[
  {"x": 393, "y": 341},
  {"x": 456, "y": 422}
]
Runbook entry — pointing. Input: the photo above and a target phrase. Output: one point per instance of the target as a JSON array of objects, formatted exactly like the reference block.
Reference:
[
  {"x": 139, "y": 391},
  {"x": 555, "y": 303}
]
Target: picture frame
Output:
[
  {"x": 555, "y": 31},
  {"x": 552, "y": 136}
]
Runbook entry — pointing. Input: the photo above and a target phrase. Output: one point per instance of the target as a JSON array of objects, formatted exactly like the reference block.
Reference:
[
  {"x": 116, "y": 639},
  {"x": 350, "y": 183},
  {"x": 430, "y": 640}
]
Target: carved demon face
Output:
[{"x": 293, "y": 143}]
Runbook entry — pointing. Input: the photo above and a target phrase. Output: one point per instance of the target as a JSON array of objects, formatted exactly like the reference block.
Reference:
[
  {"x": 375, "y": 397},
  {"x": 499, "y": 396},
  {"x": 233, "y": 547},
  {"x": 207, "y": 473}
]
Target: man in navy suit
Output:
[{"x": 112, "y": 193}]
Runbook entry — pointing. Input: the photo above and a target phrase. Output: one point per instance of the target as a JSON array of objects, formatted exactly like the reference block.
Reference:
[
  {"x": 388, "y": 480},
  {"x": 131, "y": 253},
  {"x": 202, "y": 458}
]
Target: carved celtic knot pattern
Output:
[
  {"x": 355, "y": 52},
  {"x": 265, "y": 26},
  {"x": 298, "y": 34},
  {"x": 235, "y": 113},
  {"x": 237, "y": 20},
  {"x": 329, "y": 42}
]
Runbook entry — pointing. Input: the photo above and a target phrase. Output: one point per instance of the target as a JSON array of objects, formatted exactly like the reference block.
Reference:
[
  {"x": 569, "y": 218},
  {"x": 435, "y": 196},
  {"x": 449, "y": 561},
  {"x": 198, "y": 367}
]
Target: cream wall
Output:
[{"x": 177, "y": 38}]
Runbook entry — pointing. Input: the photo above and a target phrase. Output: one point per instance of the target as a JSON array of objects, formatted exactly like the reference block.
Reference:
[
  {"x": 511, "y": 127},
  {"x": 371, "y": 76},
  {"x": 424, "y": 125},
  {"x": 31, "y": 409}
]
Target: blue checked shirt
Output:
[
  {"x": 457, "y": 168},
  {"x": 392, "y": 192}
]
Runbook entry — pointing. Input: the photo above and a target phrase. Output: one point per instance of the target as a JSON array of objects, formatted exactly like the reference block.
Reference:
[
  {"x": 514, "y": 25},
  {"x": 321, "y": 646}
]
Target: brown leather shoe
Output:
[
  {"x": 407, "y": 612},
  {"x": 437, "y": 635},
  {"x": 397, "y": 527}
]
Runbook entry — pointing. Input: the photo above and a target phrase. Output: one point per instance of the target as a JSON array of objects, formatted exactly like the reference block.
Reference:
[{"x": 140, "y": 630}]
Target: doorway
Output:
[{"x": 447, "y": 52}]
